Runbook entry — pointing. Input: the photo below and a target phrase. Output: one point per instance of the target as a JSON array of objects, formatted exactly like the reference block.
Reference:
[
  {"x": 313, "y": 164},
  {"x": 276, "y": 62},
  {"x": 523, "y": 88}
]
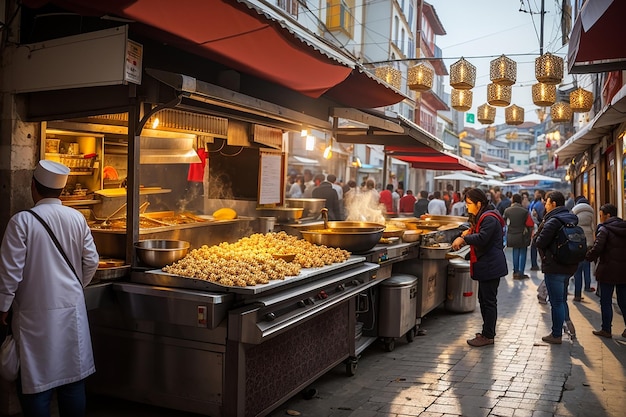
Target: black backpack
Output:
[{"x": 570, "y": 244}]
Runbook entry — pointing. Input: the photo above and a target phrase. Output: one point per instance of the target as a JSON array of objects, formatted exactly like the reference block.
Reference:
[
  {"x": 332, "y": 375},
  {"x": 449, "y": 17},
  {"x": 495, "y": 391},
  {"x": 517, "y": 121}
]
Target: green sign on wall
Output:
[{"x": 469, "y": 117}]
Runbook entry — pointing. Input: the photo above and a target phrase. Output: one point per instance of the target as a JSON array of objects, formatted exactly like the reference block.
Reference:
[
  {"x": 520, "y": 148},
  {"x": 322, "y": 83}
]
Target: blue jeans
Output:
[
  {"x": 533, "y": 256},
  {"x": 584, "y": 270},
  {"x": 606, "y": 303},
  {"x": 556, "y": 284},
  {"x": 519, "y": 260},
  {"x": 71, "y": 399}
]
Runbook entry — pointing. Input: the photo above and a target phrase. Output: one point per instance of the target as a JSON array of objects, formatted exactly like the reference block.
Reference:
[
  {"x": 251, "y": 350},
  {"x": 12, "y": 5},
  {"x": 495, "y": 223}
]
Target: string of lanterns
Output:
[{"x": 503, "y": 75}]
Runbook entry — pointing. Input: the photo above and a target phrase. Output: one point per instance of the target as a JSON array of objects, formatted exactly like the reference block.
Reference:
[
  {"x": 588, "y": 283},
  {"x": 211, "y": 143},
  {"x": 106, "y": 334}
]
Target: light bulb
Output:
[
  {"x": 155, "y": 123},
  {"x": 328, "y": 152}
]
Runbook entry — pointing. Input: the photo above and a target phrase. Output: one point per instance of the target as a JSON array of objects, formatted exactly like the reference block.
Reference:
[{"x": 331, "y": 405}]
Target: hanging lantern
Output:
[
  {"x": 461, "y": 100},
  {"x": 549, "y": 69},
  {"x": 544, "y": 94},
  {"x": 390, "y": 75},
  {"x": 503, "y": 71},
  {"x": 560, "y": 112},
  {"x": 486, "y": 114},
  {"x": 462, "y": 75},
  {"x": 514, "y": 115},
  {"x": 580, "y": 100},
  {"x": 420, "y": 77},
  {"x": 499, "y": 95}
]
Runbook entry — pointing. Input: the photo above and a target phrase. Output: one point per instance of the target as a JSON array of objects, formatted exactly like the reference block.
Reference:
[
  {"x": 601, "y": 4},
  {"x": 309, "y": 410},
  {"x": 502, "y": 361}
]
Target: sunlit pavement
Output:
[{"x": 440, "y": 375}]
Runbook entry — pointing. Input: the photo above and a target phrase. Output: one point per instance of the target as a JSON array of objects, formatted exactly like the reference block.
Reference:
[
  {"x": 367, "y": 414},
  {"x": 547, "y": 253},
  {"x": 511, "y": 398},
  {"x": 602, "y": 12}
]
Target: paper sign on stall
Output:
[{"x": 270, "y": 178}]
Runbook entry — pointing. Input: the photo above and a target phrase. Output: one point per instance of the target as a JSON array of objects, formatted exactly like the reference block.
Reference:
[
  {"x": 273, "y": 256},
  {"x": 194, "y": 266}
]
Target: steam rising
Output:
[{"x": 363, "y": 206}]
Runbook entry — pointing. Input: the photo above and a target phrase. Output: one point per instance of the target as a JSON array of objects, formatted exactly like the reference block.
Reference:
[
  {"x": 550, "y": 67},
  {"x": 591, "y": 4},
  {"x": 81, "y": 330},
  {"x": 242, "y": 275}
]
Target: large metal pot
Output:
[
  {"x": 160, "y": 252},
  {"x": 351, "y": 236},
  {"x": 311, "y": 206},
  {"x": 282, "y": 214}
]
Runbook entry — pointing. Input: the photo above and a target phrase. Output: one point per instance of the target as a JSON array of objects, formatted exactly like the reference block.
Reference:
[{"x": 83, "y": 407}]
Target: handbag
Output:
[
  {"x": 529, "y": 221},
  {"x": 9, "y": 359}
]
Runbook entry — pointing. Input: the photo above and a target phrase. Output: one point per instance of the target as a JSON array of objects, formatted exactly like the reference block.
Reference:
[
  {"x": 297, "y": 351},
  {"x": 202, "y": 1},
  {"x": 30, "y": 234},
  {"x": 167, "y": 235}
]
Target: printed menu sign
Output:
[
  {"x": 270, "y": 178},
  {"x": 134, "y": 55}
]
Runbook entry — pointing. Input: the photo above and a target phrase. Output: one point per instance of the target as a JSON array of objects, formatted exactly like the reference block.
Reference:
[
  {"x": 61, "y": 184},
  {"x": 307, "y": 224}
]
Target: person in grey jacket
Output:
[
  {"x": 586, "y": 220},
  {"x": 518, "y": 235}
]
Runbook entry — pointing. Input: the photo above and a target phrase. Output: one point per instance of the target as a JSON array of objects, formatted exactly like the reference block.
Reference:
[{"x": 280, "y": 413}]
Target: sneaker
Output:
[
  {"x": 518, "y": 276},
  {"x": 578, "y": 298},
  {"x": 479, "y": 341},
  {"x": 542, "y": 300},
  {"x": 604, "y": 333},
  {"x": 590, "y": 289},
  {"x": 570, "y": 328},
  {"x": 524, "y": 276},
  {"x": 552, "y": 339},
  {"x": 535, "y": 268}
]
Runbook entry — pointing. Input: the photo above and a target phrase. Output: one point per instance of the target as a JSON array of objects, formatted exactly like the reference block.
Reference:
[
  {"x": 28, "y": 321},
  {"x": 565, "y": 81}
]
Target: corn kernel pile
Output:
[{"x": 250, "y": 261}]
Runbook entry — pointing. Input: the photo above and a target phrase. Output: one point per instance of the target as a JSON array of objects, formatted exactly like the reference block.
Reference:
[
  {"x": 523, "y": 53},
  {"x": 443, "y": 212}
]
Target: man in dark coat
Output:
[
  {"x": 556, "y": 274},
  {"x": 326, "y": 190},
  {"x": 609, "y": 247},
  {"x": 421, "y": 205},
  {"x": 518, "y": 235}
]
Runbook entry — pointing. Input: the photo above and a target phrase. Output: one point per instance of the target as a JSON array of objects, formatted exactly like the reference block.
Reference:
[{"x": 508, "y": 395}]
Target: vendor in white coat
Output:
[{"x": 49, "y": 320}]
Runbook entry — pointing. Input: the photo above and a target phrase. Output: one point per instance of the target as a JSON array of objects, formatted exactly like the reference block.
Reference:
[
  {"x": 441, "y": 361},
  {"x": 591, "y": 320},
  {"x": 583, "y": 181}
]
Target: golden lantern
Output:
[
  {"x": 503, "y": 71},
  {"x": 514, "y": 115},
  {"x": 549, "y": 69},
  {"x": 420, "y": 77},
  {"x": 462, "y": 75},
  {"x": 486, "y": 114},
  {"x": 544, "y": 94},
  {"x": 560, "y": 112},
  {"x": 499, "y": 95},
  {"x": 580, "y": 100},
  {"x": 461, "y": 100},
  {"x": 390, "y": 75}
]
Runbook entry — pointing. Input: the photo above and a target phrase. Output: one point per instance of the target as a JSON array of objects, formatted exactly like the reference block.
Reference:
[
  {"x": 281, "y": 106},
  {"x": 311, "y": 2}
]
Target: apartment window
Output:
[
  {"x": 410, "y": 16},
  {"x": 339, "y": 16},
  {"x": 290, "y": 6},
  {"x": 396, "y": 24},
  {"x": 402, "y": 42}
]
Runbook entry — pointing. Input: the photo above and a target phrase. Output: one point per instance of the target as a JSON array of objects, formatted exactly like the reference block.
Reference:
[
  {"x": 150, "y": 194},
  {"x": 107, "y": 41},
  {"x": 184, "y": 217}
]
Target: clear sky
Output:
[{"x": 482, "y": 30}]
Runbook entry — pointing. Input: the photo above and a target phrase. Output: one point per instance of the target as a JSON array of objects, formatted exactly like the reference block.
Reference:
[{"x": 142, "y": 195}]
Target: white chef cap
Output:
[{"x": 51, "y": 174}]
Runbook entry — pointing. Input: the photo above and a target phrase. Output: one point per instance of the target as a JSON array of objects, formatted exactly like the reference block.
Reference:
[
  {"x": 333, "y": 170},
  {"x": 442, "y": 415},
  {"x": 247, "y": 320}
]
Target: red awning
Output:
[
  {"x": 428, "y": 158},
  {"x": 240, "y": 36},
  {"x": 595, "y": 43}
]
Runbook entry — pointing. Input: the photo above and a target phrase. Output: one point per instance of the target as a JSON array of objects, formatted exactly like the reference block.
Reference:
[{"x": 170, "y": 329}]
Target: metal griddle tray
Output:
[{"x": 160, "y": 278}]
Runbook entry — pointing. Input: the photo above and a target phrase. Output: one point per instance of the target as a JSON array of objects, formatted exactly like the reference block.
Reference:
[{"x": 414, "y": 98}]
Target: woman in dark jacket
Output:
[{"x": 487, "y": 260}]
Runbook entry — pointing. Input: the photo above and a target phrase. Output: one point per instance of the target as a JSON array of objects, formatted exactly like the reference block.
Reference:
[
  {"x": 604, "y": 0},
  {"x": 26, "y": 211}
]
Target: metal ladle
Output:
[
  {"x": 324, "y": 212},
  {"x": 105, "y": 223}
]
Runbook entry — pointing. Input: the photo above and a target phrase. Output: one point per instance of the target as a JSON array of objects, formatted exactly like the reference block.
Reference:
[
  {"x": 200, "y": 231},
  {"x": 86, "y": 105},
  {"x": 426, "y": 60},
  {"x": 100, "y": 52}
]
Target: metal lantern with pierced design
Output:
[
  {"x": 462, "y": 75},
  {"x": 390, "y": 75},
  {"x": 499, "y": 95},
  {"x": 420, "y": 77},
  {"x": 514, "y": 115},
  {"x": 486, "y": 114},
  {"x": 581, "y": 100},
  {"x": 549, "y": 69},
  {"x": 560, "y": 112},
  {"x": 503, "y": 71},
  {"x": 544, "y": 94},
  {"x": 461, "y": 100}
]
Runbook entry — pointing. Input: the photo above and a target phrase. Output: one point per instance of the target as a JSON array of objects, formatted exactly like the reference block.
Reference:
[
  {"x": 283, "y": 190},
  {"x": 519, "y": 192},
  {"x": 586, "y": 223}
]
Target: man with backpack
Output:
[{"x": 559, "y": 259}]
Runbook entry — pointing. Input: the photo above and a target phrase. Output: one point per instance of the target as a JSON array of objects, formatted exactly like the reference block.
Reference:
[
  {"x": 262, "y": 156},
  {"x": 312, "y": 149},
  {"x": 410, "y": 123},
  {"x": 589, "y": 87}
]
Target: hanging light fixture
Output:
[
  {"x": 580, "y": 100},
  {"x": 499, "y": 95},
  {"x": 486, "y": 114},
  {"x": 503, "y": 71},
  {"x": 549, "y": 69},
  {"x": 462, "y": 75},
  {"x": 514, "y": 115},
  {"x": 420, "y": 77},
  {"x": 328, "y": 151},
  {"x": 560, "y": 112},
  {"x": 544, "y": 94},
  {"x": 461, "y": 100},
  {"x": 390, "y": 75}
]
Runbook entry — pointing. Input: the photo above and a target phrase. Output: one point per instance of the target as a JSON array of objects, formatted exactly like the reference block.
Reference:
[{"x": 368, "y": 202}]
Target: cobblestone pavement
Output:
[{"x": 440, "y": 375}]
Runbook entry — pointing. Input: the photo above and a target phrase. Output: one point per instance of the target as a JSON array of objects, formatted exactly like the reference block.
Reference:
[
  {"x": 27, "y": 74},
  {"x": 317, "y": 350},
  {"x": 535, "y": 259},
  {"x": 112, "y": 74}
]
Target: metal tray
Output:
[
  {"x": 160, "y": 278},
  {"x": 113, "y": 273}
]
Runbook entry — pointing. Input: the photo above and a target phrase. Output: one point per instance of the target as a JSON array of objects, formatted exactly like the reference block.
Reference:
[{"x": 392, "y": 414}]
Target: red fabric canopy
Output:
[
  {"x": 239, "y": 36},
  {"x": 595, "y": 43},
  {"x": 428, "y": 158}
]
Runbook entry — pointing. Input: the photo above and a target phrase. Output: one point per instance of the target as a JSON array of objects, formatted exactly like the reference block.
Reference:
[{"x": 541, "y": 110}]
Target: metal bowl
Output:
[
  {"x": 160, "y": 252},
  {"x": 311, "y": 206},
  {"x": 351, "y": 236},
  {"x": 282, "y": 214}
]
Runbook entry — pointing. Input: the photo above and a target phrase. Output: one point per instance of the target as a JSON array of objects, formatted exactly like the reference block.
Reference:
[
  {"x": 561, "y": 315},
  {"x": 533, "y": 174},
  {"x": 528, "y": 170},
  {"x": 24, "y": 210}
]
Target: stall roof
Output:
[
  {"x": 428, "y": 158},
  {"x": 602, "y": 124},
  {"x": 248, "y": 38}
]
